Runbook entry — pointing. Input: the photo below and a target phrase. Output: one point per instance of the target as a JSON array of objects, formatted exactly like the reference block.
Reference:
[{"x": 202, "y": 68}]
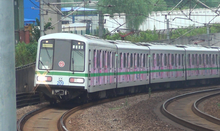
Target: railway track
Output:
[
  {"x": 54, "y": 119},
  {"x": 186, "y": 110}
]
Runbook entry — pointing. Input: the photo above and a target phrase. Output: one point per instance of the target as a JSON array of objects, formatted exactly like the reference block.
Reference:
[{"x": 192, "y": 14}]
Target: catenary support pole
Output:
[
  {"x": 7, "y": 67},
  {"x": 41, "y": 18},
  {"x": 168, "y": 28}
]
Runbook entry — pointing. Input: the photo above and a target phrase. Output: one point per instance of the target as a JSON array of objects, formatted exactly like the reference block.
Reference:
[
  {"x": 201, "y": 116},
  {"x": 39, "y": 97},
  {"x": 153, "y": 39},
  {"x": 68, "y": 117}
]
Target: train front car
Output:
[{"x": 60, "y": 66}]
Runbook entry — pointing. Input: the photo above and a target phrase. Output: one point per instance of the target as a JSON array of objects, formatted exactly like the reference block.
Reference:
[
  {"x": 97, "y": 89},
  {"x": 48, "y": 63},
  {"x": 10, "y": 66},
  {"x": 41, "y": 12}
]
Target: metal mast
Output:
[{"x": 7, "y": 67}]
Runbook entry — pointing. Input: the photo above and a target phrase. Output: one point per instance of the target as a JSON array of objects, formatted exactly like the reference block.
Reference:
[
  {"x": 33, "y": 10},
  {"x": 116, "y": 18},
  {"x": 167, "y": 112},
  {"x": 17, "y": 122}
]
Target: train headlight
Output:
[
  {"x": 44, "y": 78},
  {"x": 76, "y": 80}
]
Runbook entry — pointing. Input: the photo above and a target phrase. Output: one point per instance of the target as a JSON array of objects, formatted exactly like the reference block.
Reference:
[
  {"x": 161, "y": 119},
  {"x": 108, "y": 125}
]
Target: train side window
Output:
[
  {"x": 179, "y": 59},
  {"x": 127, "y": 60},
  {"x": 113, "y": 59},
  {"x": 98, "y": 58},
  {"x": 210, "y": 56},
  {"x": 200, "y": 59},
  {"x": 153, "y": 60},
  {"x": 131, "y": 60},
  {"x": 135, "y": 64},
  {"x": 189, "y": 63},
  {"x": 147, "y": 58},
  {"x": 144, "y": 60},
  {"x": 207, "y": 59},
  {"x": 175, "y": 60},
  {"x": 161, "y": 59},
  {"x": 203, "y": 59},
  {"x": 103, "y": 58},
  {"x": 168, "y": 60},
  {"x": 124, "y": 64},
  {"x": 213, "y": 59},
  {"x": 141, "y": 60},
  {"x": 193, "y": 59},
  {"x": 216, "y": 59},
  {"x": 94, "y": 59},
  {"x": 108, "y": 59},
  {"x": 158, "y": 60},
  {"x": 165, "y": 59},
  {"x": 182, "y": 59},
  {"x": 196, "y": 62},
  {"x": 172, "y": 59},
  {"x": 120, "y": 60},
  {"x": 138, "y": 60}
]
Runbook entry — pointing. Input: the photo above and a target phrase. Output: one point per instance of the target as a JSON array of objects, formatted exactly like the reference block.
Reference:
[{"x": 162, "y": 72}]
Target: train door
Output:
[
  {"x": 193, "y": 65},
  {"x": 128, "y": 67},
  {"x": 179, "y": 71},
  {"x": 161, "y": 66},
  {"x": 111, "y": 69},
  {"x": 165, "y": 66},
  {"x": 182, "y": 65},
  {"x": 216, "y": 63},
  {"x": 131, "y": 67},
  {"x": 203, "y": 64},
  {"x": 95, "y": 68},
  {"x": 175, "y": 65},
  {"x": 147, "y": 65},
  {"x": 114, "y": 69},
  {"x": 189, "y": 63},
  {"x": 106, "y": 73},
  {"x": 197, "y": 64},
  {"x": 169, "y": 65},
  {"x": 90, "y": 83},
  {"x": 206, "y": 64},
  {"x": 200, "y": 64},
  {"x": 209, "y": 65}
]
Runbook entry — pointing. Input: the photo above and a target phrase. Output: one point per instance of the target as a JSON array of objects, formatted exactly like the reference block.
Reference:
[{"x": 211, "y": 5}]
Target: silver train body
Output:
[{"x": 68, "y": 65}]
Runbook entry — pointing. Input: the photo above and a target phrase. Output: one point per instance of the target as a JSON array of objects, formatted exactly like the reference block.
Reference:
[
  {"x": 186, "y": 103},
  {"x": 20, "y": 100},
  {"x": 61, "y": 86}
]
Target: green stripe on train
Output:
[{"x": 119, "y": 73}]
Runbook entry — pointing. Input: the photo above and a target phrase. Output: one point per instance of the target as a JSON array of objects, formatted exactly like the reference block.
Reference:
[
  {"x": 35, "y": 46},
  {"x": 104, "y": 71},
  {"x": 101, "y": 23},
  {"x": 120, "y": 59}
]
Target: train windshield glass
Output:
[
  {"x": 46, "y": 54},
  {"x": 78, "y": 56}
]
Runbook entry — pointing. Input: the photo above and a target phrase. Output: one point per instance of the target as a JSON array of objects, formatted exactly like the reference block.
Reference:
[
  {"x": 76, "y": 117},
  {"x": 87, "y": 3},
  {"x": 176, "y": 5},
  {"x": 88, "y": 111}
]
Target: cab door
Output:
[{"x": 62, "y": 54}]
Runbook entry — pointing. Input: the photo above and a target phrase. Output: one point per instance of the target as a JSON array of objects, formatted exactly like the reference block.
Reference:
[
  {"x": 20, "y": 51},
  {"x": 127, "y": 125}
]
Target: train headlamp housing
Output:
[
  {"x": 44, "y": 78},
  {"x": 76, "y": 80}
]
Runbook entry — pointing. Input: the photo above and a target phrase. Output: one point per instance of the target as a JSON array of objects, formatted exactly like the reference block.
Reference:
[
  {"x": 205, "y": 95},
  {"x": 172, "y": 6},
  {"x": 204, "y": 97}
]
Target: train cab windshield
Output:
[
  {"x": 65, "y": 55},
  {"x": 46, "y": 54},
  {"x": 77, "y": 56}
]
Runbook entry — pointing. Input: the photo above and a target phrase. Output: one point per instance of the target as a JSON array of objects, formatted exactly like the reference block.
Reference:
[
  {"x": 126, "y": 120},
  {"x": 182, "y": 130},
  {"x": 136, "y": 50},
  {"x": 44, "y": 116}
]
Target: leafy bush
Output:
[
  {"x": 25, "y": 53},
  {"x": 148, "y": 36}
]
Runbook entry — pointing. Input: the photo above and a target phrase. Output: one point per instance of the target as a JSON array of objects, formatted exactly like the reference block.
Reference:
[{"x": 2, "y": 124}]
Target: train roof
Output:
[
  {"x": 161, "y": 46},
  {"x": 127, "y": 45},
  {"x": 197, "y": 48},
  {"x": 67, "y": 36}
]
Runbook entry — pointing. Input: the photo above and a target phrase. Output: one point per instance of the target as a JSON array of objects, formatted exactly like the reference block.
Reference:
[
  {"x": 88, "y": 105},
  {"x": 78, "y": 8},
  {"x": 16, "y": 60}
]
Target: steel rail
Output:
[
  {"x": 21, "y": 122},
  {"x": 203, "y": 114},
  {"x": 178, "y": 119}
]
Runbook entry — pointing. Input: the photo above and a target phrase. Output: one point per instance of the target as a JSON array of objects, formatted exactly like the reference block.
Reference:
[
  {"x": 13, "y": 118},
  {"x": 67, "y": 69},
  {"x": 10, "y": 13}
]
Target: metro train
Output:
[{"x": 70, "y": 65}]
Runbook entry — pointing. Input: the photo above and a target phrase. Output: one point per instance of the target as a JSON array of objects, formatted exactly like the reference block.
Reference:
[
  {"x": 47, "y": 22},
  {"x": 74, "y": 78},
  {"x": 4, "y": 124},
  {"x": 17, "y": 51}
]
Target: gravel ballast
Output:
[{"x": 136, "y": 113}]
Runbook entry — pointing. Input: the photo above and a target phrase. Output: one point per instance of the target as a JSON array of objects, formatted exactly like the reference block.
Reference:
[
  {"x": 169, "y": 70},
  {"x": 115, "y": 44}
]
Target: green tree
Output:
[
  {"x": 36, "y": 29},
  {"x": 136, "y": 10}
]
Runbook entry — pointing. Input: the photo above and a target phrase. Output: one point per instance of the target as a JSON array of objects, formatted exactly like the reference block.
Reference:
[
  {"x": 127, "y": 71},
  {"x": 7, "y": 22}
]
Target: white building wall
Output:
[
  {"x": 178, "y": 19},
  {"x": 111, "y": 23}
]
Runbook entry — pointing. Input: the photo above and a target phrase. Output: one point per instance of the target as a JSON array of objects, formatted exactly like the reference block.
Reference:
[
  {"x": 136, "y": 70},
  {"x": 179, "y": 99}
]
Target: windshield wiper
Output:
[
  {"x": 44, "y": 66},
  {"x": 73, "y": 64}
]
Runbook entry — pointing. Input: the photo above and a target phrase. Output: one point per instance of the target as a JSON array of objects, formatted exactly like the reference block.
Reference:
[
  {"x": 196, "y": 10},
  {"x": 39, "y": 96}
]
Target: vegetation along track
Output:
[{"x": 185, "y": 110}]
